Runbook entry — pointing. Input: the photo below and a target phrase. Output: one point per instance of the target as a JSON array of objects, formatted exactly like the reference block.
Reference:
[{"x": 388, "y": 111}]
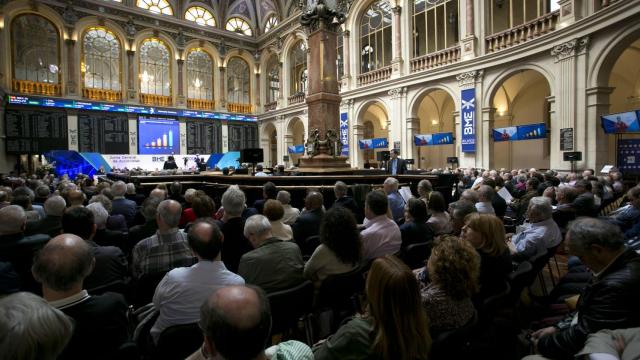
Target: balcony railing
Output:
[
  {"x": 200, "y": 104},
  {"x": 523, "y": 33},
  {"x": 101, "y": 94},
  {"x": 240, "y": 108},
  {"x": 157, "y": 100},
  {"x": 270, "y": 106},
  {"x": 32, "y": 87},
  {"x": 374, "y": 76},
  {"x": 440, "y": 58},
  {"x": 296, "y": 98}
]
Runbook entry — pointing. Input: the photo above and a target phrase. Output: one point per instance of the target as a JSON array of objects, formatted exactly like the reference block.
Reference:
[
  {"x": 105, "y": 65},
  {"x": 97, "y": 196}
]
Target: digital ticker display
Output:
[{"x": 135, "y": 109}]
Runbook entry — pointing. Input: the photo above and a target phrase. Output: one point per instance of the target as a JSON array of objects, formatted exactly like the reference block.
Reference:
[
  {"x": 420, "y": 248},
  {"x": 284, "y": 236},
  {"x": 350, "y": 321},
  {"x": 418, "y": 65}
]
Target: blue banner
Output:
[
  {"x": 468, "y": 123},
  {"x": 344, "y": 133},
  {"x": 521, "y": 132},
  {"x": 434, "y": 139},
  {"x": 629, "y": 156},
  {"x": 620, "y": 123},
  {"x": 377, "y": 143},
  {"x": 296, "y": 149}
]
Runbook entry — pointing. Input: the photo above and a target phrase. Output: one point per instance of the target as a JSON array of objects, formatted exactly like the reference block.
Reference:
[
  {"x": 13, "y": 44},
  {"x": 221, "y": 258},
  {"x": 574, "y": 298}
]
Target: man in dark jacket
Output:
[
  {"x": 340, "y": 189},
  {"x": 308, "y": 223},
  {"x": 609, "y": 302}
]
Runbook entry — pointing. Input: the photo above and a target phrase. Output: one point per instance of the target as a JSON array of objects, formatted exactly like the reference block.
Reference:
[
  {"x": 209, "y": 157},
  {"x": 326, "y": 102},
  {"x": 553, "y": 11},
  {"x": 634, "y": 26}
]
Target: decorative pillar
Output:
[
  {"x": 568, "y": 82},
  {"x": 257, "y": 92},
  {"x": 346, "y": 60},
  {"x": 457, "y": 132},
  {"x": 355, "y": 154},
  {"x": 468, "y": 80},
  {"x": 223, "y": 80},
  {"x": 133, "y": 133},
  {"x": 181, "y": 97},
  {"x": 601, "y": 150},
  {"x": 396, "y": 62},
  {"x": 468, "y": 42},
  {"x": 486, "y": 156},
  {"x": 71, "y": 88},
  {"x": 131, "y": 83},
  {"x": 225, "y": 136},
  {"x": 72, "y": 130},
  {"x": 413, "y": 127},
  {"x": 397, "y": 130},
  {"x": 568, "y": 12}
]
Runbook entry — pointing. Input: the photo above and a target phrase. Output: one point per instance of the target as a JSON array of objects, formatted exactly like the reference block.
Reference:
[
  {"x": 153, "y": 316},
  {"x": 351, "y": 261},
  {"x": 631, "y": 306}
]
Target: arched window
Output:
[
  {"x": 435, "y": 25},
  {"x": 238, "y": 81},
  {"x": 239, "y": 26},
  {"x": 155, "y": 68},
  {"x": 100, "y": 64},
  {"x": 375, "y": 36},
  {"x": 273, "y": 80},
  {"x": 200, "y": 16},
  {"x": 298, "y": 72},
  {"x": 199, "y": 75},
  {"x": 271, "y": 23},
  {"x": 502, "y": 15},
  {"x": 36, "y": 54},
  {"x": 155, "y": 6},
  {"x": 340, "y": 55}
]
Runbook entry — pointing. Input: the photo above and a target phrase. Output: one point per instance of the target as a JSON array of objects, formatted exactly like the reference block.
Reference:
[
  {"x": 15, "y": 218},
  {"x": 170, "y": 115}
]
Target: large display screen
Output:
[
  {"x": 521, "y": 132},
  {"x": 158, "y": 135},
  {"x": 377, "y": 143},
  {"x": 433, "y": 139},
  {"x": 35, "y": 132},
  {"x": 90, "y": 105},
  {"x": 620, "y": 123},
  {"x": 203, "y": 137},
  {"x": 103, "y": 133}
]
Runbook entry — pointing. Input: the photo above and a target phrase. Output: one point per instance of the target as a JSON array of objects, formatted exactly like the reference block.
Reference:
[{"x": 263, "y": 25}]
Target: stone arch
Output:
[
  {"x": 414, "y": 102},
  {"x": 270, "y": 141},
  {"x": 501, "y": 77},
  {"x": 362, "y": 107},
  {"x": 604, "y": 61}
]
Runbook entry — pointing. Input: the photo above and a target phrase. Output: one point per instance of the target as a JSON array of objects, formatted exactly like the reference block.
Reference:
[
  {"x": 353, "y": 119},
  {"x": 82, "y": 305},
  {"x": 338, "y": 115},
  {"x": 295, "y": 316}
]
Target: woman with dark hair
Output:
[
  {"x": 340, "y": 249},
  {"x": 395, "y": 325},
  {"x": 170, "y": 164},
  {"x": 439, "y": 221},
  {"x": 454, "y": 267},
  {"x": 415, "y": 229}
]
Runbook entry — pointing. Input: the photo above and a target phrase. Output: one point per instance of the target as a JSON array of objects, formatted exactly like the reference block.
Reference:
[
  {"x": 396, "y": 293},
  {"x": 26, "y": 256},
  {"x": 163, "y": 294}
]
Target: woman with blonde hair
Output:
[
  {"x": 395, "y": 326},
  {"x": 486, "y": 234}
]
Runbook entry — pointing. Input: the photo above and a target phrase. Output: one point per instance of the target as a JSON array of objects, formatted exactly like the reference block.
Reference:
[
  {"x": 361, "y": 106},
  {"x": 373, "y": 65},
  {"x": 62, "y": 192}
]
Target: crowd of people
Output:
[{"x": 85, "y": 251}]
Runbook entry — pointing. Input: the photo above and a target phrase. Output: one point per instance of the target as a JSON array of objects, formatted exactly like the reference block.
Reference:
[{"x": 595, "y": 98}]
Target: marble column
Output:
[
  {"x": 396, "y": 29},
  {"x": 131, "y": 79},
  {"x": 486, "y": 161},
  {"x": 257, "y": 92},
  {"x": 355, "y": 153},
  {"x": 601, "y": 150},
  {"x": 472, "y": 79},
  {"x": 71, "y": 88},
  {"x": 346, "y": 60},
  {"x": 397, "y": 128},
  {"x": 225, "y": 136},
  {"x": 412, "y": 152},
  {"x": 223, "y": 80},
  {"x": 72, "y": 130},
  {"x": 468, "y": 41},
  {"x": 281, "y": 85},
  {"x": 181, "y": 96}
]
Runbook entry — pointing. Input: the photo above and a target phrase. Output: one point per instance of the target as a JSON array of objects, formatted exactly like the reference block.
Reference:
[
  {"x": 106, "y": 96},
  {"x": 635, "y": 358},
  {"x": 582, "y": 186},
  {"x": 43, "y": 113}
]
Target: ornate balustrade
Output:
[
  {"x": 101, "y": 94},
  {"x": 523, "y": 33},
  {"x": 240, "y": 108},
  {"x": 296, "y": 98},
  {"x": 374, "y": 76},
  {"x": 157, "y": 100},
  {"x": 440, "y": 58},
  {"x": 32, "y": 87},
  {"x": 200, "y": 104},
  {"x": 270, "y": 106}
]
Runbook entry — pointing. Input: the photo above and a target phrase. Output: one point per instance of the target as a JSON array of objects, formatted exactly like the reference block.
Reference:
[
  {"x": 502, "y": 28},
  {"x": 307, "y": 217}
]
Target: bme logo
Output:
[{"x": 157, "y": 159}]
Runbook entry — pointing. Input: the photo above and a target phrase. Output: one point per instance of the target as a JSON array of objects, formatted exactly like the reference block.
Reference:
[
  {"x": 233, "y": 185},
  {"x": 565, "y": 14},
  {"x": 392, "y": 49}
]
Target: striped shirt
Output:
[{"x": 162, "y": 252}]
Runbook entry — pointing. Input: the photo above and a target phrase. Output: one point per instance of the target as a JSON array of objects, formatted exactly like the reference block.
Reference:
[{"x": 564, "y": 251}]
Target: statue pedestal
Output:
[{"x": 324, "y": 164}]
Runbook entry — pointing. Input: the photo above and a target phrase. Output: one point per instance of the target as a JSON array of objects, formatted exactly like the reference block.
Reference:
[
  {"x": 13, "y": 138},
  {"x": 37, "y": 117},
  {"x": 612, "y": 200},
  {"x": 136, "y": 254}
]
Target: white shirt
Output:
[
  {"x": 381, "y": 237},
  {"x": 281, "y": 231},
  {"x": 536, "y": 238},
  {"x": 485, "y": 207},
  {"x": 290, "y": 214},
  {"x": 181, "y": 292}
]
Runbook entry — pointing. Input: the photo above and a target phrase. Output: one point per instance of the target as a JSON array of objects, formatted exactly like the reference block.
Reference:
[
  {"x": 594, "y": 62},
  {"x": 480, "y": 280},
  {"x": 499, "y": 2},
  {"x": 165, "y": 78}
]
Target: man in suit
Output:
[
  {"x": 100, "y": 320},
  {"x": 232, "y": 226},
  {"x": 121, "y": 205},
  {"x": 52, "y": 224},
  {"x": 340, "y": 189},
  {"x": 308, "y": 223},
  {"x": 396, "y": 166}
]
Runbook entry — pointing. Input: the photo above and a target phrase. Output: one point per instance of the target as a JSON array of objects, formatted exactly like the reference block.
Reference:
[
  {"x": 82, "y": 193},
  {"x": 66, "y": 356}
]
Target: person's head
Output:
[
  {"x": 118, "y": 189},
  {"x": 54, "y": 206},
  {"x": 63, "y": 263},
  {"x": 459, "y": 211},
  {"x": 437, "y": 204},
  {"x": 13, "y": 221},
  {"x": 149, "y": 208},
  {"x": 376, "y": 204},
  {"x": 269, "y": 190},
  {"x": 416, "y": 210},
  {"x": 313, "y": 201},
  {"x": 273, "y": 210},
  {"x": 31, "y": 329},
  {"x": 158, "y": 193},
  {"x": 257, "y": 229},
  {"x": 401, "y": 330},
  {"x": 485, "y": 232},
  {"x": 42, "y": 192},
  {"x": 259, "y": 168},
  {"x": 424, "y": 187},
  {"x": 485, "y": 193},
  {"x": 233, "y": 201},
  {"x": 539, "y": 209},
  {"x": 340, "y": 189},
  {"x": 100, "y": 215},
  {"x": 203, "y": 206},
  {"x": 176, "y": 188},
  {"x": 339, "y": 232},
  {"x": 595, "y": 242},
  {"x": 470, "y": 195},
  {"x": 394, "y": 153},
  {"x": 587, "y": 174},
  {"x": 454, "y": 266},
  {"x": 189, "y": 194},
  {"x": 236, "y": 322},
  {"x": 131, "y": 189},
  {"x": 79, "y": 221},
  {"x": 168, "y": 216},
  {"x": 23, "y": 190},
  {"x": 75, "y": 198},
  {"x": 390, "y": 185},
  {"x": 284, "y": 197},
  {"x": 23, "y": 201},
  {"x": 532, "y": 184},
  {"x": 566, "y": 194},
  {"x": 205, "y": 239},
  {"x": 104, "y": 200},
  {"x": 633, "y": 195}
]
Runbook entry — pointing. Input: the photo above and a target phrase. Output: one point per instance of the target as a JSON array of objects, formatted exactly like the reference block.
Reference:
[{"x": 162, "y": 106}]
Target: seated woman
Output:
[
  {"x": 486, "y": 233},
  {"x": 274, "y": 211},
  {"x": 454, "y": 267},
  {"x": 395, "y": 326},
  {"x": 439, "y": 221},
  {"x": 340, "y": 246},
  {"x": 415, "y": 229}
]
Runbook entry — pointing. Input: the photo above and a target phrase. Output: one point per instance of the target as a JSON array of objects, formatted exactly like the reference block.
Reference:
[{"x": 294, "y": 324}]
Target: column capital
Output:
[
  {"x": 470, "y": 78},
  {"x": 397, "y": 10},
  {"x": 346, "y": 33},
  {"x": 413, "y": 122},
  {"x": 180, "y": 62},
  {"x": 398, "y": 93},
  {"x": 221, "y": 68},
  {"x": 70, "y": 42},
  {"x": 570, "y": 48},
  {"x": 131, "y": 52}
]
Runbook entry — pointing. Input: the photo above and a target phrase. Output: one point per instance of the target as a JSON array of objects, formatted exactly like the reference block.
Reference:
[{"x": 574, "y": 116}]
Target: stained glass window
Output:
[
  {"x": 155, "y": 68},
  {"x": 239, "y": 26},
  {"x": 200, "y": 16},
  {"x": 100, "y": 64}
]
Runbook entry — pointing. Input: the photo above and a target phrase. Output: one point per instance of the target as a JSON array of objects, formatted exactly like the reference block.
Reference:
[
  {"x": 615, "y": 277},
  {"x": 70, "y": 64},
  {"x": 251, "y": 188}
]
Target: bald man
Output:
[
  {"x": 236, "y": 322},
  {"x": 100, "y": 320},
  {"x": 308, "y": 223}
]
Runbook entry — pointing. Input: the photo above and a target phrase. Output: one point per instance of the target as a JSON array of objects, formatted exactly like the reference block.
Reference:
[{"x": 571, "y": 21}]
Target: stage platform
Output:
[{"x": 214, "y": 183}]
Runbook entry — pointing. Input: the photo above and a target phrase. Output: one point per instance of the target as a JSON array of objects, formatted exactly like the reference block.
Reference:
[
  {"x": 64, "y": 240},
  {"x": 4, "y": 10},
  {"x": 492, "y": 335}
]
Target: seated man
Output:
[
  {"x": 308, "y": 223},
  {"x": 290, "y": 213},
  {"x": 341, "y": 190},
  {"x": 381, "y": 235},
  {"x": 179, "y": 295},
  {"x": 610, "y": 302},
  {"x": 236, "y": 322},
  {"x": 168, "y": 248},
  {"x": 485, "y": 197},
  {"x": 100, "y": 320},
  {"x": 149, "y": 211},
  {"x": 584, "y": 204},
  {"x": 52, "y": 223},
  {"x": 232, "y": 226},
  {"x": 539, "y": 234},
  {"x": 121, "y": 205},
  {"x": 396, "y": 201},
  {"x": 273, "y": 264},
  {"x": 104, "y": 236},
  {"x": 627, "y": 216}
]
